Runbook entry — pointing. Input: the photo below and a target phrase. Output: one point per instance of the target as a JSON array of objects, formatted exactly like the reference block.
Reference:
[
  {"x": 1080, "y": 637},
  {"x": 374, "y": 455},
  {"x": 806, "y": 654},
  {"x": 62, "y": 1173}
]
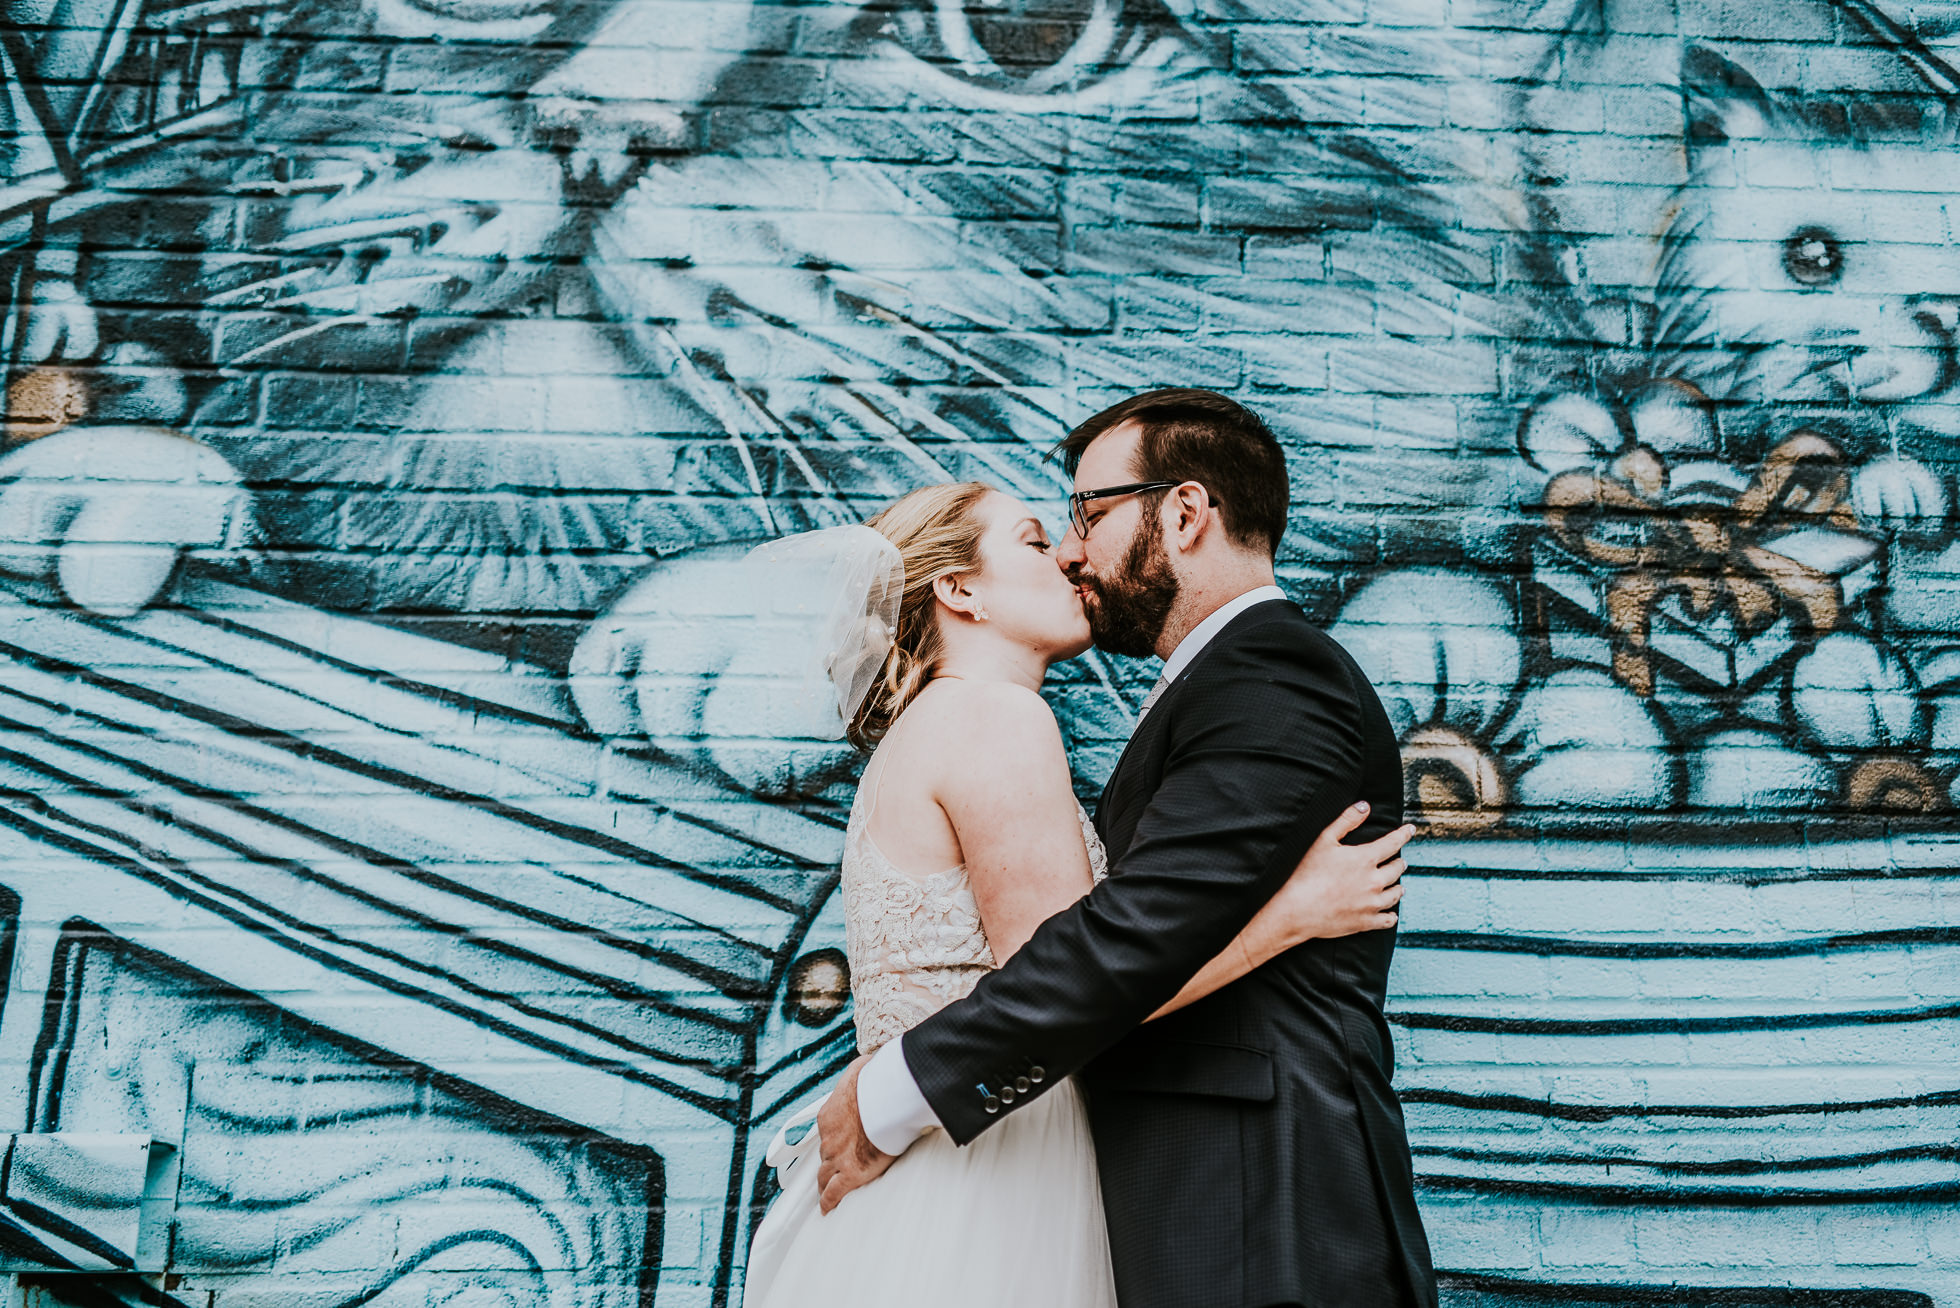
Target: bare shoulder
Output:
[
  {"x": 984, "y": 704},
  {"x": 995, "y": 723}
]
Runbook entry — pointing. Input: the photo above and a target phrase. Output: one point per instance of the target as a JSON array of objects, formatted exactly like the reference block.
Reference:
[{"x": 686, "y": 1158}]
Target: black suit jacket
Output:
[{"x": 1251, "y": 1150}]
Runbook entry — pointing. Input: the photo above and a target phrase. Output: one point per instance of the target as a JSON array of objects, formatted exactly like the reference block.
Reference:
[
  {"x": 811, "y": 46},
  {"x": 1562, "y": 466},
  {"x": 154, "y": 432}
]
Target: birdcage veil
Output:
[{"x": 826, "y": 605}]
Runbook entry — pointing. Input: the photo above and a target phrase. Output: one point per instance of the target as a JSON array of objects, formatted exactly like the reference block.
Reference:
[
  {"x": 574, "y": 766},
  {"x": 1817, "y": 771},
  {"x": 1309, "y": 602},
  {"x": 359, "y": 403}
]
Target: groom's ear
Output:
[{"x": 1190, "y": 514}]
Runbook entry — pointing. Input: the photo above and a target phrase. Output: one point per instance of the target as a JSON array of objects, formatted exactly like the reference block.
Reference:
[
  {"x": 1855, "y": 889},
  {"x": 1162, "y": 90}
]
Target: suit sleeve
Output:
[{"x": 1263, "y": 752}]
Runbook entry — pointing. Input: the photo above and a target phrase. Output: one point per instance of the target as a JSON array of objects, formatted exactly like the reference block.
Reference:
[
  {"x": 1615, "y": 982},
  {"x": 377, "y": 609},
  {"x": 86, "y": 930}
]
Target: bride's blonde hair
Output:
[{"x": 938, "y": 535}]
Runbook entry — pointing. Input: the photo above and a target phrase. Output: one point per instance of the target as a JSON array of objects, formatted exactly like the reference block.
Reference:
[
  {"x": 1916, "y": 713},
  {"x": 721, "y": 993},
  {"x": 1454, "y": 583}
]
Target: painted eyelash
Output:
[{"x": 1113, "y": 39}]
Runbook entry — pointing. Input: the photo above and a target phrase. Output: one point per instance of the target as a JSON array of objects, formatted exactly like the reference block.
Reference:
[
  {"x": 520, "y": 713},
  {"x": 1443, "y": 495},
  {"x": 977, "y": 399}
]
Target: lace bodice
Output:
[{"x": 915, "y": 941}]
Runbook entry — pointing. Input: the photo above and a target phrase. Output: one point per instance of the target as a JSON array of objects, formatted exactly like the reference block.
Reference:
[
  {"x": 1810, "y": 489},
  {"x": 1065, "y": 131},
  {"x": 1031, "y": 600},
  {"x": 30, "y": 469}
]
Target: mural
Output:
[{"x": 395, "y": 815}]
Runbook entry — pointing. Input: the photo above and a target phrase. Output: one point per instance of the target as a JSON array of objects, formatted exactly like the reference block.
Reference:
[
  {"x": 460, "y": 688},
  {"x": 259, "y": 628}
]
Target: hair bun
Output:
[{"x": 937, "y": 534}]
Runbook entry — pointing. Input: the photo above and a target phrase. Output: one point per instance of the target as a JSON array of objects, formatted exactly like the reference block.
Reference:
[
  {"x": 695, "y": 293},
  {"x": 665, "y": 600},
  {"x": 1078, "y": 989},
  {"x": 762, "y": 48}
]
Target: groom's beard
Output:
[{"x": 1128, "y": 609}]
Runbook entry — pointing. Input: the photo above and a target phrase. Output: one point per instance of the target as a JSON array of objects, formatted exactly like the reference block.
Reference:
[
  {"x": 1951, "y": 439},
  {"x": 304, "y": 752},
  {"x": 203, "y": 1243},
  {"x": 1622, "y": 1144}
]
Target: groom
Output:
[{"x": 1251, "y": 1149}]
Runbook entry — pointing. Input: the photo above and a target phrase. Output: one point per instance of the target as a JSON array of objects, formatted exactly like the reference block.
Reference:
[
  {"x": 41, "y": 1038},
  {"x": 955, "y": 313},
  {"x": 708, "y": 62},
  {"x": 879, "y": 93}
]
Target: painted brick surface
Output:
[{"x": 393, "y": 814}]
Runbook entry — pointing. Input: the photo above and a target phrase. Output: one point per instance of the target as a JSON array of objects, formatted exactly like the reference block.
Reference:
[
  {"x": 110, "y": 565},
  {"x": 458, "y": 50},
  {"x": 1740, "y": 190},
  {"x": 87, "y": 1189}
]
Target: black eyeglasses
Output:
[{"x": 1080, "y": 518}]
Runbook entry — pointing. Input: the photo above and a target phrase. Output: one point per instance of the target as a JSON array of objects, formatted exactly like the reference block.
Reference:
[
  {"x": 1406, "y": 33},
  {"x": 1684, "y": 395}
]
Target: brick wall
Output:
[{"x": 394, "y": 815}]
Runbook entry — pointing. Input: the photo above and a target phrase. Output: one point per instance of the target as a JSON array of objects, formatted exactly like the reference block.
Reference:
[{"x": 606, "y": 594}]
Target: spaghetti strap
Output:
[{"x": 883, "y": 765}]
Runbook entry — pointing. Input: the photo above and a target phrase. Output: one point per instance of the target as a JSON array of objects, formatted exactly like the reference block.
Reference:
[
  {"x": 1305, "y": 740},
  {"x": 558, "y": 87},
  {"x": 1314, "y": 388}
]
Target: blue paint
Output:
[{"x": 392, "y": 809}]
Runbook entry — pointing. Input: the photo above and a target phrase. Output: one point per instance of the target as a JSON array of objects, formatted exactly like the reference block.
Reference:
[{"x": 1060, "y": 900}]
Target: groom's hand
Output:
[{"x": 849, "y": 1158}]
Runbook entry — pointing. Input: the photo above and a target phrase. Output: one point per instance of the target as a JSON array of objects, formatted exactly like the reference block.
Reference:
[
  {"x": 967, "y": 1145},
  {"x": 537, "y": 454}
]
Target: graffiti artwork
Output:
[{"x": 395, "y": 815}]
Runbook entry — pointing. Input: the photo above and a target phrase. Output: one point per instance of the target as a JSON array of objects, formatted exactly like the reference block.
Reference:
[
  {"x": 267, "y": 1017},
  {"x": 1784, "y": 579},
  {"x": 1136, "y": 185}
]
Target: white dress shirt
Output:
[{"x": 890, "y": 1104}]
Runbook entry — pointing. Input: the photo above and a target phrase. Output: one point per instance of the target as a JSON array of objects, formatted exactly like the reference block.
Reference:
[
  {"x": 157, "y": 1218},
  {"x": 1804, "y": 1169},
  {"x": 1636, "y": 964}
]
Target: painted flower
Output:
[{"x": 1690, "y": 631}]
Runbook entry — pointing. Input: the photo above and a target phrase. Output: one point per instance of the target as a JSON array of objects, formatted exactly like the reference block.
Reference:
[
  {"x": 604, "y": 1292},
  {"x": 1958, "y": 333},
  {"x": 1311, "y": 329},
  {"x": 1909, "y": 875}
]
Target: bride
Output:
[{"x": 964, "y": 837}]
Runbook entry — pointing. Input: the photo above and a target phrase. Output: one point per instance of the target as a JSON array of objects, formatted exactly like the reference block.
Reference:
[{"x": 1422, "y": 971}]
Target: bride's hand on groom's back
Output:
[{"x": 1336, "y": 890}]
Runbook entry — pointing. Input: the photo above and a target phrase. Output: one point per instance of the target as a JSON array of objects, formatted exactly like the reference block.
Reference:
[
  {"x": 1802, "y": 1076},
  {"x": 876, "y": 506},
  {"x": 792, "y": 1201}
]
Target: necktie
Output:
[{"x": 1156, "y": 692}]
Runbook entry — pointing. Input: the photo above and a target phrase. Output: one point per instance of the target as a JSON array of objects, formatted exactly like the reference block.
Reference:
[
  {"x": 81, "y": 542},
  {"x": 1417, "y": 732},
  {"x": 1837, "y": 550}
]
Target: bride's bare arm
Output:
[
  {"x": 1336, "y": 890},
  {"x": 1006, "y": 789}
]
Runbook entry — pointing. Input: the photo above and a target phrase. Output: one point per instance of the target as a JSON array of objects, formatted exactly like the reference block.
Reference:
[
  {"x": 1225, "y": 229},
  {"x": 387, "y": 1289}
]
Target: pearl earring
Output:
[{"x": 979, "y": 614}]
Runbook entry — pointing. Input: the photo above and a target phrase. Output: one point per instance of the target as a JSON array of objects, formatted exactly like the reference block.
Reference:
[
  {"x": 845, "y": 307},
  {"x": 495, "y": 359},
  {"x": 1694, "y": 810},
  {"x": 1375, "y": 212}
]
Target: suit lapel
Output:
[
  {"x": 1119, "y": 789},
  {"x": 1153, "y": 728},
  {"x": 1130, "y": 784}
]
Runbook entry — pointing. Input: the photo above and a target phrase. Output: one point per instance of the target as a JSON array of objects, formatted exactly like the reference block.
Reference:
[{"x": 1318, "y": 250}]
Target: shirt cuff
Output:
[{"x": 891, "y": 1108}]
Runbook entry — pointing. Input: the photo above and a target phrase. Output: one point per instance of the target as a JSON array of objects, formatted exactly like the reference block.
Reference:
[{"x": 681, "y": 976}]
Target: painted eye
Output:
[
  {"x": 1034, "y": 46},
  {"x": 486, "y": 20},
  {"x": 1813, "y": 257}
]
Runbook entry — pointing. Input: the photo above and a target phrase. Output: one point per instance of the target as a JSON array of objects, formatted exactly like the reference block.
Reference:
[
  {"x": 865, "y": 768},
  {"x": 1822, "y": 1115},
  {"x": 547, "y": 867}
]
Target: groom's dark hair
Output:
[{"x": 1202, "y": 436}]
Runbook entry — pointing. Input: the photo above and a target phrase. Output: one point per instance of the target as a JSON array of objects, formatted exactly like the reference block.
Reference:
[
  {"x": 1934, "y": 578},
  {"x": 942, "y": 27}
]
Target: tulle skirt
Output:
[{"x": 1016, "y": 1217}]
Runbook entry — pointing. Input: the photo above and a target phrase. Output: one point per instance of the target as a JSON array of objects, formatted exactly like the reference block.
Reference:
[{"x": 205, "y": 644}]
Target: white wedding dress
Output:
[{"x": 1016, "y": 1217}]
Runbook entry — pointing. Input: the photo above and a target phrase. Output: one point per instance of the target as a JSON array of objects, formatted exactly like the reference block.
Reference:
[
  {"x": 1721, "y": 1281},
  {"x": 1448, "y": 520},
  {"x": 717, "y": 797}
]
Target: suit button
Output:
[
  {"x": 991, "y": 1104},
  {"x": 1021, "y": 1084},
  {"x": 1036, "y": 1072},
  {"x": 1007, "y": 1094}
]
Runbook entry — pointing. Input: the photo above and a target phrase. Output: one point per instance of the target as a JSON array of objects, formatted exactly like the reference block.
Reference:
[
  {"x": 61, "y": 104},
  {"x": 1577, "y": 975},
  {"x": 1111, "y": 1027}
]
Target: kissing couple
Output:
[{"x": 1193, "y": 979}]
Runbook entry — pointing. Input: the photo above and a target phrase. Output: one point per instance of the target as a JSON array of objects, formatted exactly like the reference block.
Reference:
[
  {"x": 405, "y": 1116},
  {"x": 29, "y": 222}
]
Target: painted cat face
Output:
[
  {"x": 1802, "y": 264},
  {"x": 1045, "y": 195},
  {"x": 823, "y": 252},
  {"x": 1007, "y": 215}
]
